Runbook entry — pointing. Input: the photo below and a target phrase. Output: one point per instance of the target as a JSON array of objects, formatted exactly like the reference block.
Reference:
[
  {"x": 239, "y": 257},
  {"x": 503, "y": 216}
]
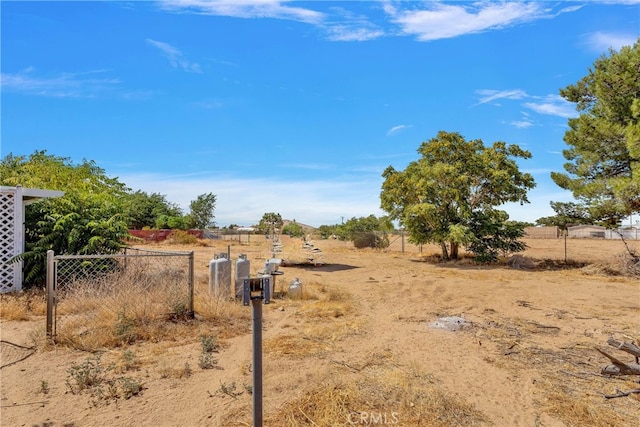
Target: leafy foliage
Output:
[
  {"x": 327, "y": 231},
  {"x": 202, "y": 210},
  {"x": 370, "y": 239},
  {"x": 270, "y": 221},
  {"x": 449, "y": 196},
  {"x": 86, "y": 220},
  {"x": 293, "y": 229},
  {"x": 355, "y": 226},
  {"x": 567, "y": 215},
  {"x": 603, "y": 168},
  {"x": 142, "y": 209}
]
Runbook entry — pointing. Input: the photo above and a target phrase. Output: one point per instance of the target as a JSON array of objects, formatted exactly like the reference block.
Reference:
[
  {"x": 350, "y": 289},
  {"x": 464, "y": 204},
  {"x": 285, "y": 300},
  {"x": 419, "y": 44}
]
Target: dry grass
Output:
[
  {"x": 136, "y": 307},
  {"x": 376, "y": 395},
  {"x": 326, "y": 317},
  {"x": 21, "y": 306}
]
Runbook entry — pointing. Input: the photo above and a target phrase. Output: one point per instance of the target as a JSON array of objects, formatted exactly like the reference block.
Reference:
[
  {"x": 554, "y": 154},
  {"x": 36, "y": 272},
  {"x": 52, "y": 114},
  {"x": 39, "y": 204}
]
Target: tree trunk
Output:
[
  {"x": 454, "y": 250},
  {"x": 445, "y": 253}
]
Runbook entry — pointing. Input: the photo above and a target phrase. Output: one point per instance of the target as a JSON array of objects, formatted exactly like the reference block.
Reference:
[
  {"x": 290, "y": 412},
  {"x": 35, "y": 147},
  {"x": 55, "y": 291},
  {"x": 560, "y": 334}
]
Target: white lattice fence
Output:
[{"x": 10, "y": 274}]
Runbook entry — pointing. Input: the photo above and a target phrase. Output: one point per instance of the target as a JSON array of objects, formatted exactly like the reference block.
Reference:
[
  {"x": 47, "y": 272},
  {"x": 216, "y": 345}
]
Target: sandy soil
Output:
[{"x": 524, "y": 357}]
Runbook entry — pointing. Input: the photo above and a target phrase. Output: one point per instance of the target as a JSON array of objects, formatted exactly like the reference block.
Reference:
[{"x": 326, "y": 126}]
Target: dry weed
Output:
[
  {"x": 21, "y": 306},
  {"x": 380, "y": 395}
]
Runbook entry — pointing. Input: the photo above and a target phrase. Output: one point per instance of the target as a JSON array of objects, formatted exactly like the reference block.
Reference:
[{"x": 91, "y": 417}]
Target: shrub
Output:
[
  {"x": 370, "y": 239},
  {"x": 182, "y": 237}
]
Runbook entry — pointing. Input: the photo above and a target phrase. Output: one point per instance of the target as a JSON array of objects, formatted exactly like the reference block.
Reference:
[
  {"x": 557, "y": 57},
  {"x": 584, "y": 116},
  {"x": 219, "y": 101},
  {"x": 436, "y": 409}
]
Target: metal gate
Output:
[{"x": 72, "y": 279}]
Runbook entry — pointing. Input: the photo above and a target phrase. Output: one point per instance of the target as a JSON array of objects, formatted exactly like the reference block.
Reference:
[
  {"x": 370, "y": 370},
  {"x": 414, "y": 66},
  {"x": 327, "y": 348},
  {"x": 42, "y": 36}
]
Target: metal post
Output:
[
  {"x": 191, "y": 291},
  {"x": 256, "y": 316},
  {"x": 402, "y": 235},
  {"x": 50, "y": 293}
]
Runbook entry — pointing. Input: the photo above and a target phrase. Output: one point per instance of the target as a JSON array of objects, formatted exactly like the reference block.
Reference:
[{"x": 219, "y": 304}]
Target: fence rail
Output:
[{"x": 163, "y": 280}]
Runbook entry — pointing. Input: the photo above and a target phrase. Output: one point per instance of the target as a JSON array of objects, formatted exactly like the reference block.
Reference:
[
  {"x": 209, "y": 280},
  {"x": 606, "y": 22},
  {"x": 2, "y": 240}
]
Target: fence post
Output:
[
  {"x": 191, "y": 292},
  {"x": 50, "y": 292}
]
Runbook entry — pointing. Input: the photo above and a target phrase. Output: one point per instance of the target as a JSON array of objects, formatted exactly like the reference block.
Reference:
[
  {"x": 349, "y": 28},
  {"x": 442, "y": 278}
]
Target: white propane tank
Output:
[
  {"x": 243, "y": 271},
  {"x": 220, "y": 276}
]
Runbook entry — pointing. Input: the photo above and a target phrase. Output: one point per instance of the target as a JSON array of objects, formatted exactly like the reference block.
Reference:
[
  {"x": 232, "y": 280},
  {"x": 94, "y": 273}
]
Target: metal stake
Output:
[{"x": 256, "y": 316}]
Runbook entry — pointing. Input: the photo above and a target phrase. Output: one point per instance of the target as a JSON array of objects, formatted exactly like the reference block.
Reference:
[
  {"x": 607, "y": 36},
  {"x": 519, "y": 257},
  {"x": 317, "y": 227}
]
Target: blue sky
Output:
[{"x": 295, "y": 107}]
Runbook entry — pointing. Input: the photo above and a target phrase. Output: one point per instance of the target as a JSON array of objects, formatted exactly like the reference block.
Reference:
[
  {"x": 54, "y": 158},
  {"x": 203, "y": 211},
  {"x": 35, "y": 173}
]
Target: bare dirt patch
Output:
[{"x": 359, "y": 347}]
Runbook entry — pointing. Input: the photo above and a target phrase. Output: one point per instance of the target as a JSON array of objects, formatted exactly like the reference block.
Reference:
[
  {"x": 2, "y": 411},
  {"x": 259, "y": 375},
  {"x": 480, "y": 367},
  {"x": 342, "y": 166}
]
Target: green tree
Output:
[
  {"x": 354, "y": 226},
  {"x": 202, "y": 210},
  {"x": 365, "y": 232},
  {"x": 270, "y": 222},
  {"x": 449, "y": 196},
  {"x": 293, "y": 229},
  {"x": 603, "y": 168},
  {"x": 326, "y": 231},
  {"x": 567, "y": 215},
  {"x": 143, "y": 210},
  {"x": 86, "y": 220}
]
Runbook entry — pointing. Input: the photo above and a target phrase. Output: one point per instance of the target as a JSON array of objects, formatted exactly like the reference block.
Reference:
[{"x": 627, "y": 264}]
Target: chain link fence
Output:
[{"x": 85, "y": 291}]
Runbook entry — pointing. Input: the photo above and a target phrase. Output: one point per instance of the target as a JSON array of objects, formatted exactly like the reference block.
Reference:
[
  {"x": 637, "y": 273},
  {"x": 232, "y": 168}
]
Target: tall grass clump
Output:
[{"x": 138, "y": 304}]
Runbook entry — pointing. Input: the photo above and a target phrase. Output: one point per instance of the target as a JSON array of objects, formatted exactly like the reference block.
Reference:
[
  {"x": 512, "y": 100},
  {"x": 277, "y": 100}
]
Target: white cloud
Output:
[
  {"x": 175, "y": 57},
  {"x": 441, "y": 21},
  {"x": 601, "y": 41},
  {"x": 553, "y": 105},
  {"x": 64, "y": 85},
  {"x": 394, "y": 130},
  {"x": 490, "y": 95},
  {"x": 245, "y": 200},
  {"x": 246, "y": 9},
  {"x": 349, "y": 34},
  {"x": 523, "y": 124}
]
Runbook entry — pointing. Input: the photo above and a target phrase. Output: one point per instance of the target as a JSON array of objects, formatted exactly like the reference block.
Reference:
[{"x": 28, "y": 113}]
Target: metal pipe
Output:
[
  {"x": 50, "y": 291},
  {"x": 192, "y": 311},
  {"x": 256, "y": 316}
]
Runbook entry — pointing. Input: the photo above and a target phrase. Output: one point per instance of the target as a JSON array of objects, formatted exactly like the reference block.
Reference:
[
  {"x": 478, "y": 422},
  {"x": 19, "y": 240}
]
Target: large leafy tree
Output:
[
  {"x": 86, "y": 220},
  {"x": 142, "y": 209},
  {"x": 450, "y": 195},
  {"x": 603, "y": 168},
  {"x": 202, "y": 210},
  {"x": 270, "y": 222}
]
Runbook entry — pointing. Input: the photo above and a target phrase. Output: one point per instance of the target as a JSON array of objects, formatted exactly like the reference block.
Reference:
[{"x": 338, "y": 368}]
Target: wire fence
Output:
[{"x": 157, "y": 283}]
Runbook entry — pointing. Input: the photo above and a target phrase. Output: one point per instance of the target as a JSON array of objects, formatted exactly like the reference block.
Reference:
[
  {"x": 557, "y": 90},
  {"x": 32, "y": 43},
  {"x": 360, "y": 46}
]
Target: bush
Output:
[
  {"x": 181, "y": 237},
  {"x": 370, "y": 239}
]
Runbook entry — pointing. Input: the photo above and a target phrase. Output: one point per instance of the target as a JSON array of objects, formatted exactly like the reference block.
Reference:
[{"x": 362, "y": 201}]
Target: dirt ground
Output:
[{"x": 523, "y": 353}]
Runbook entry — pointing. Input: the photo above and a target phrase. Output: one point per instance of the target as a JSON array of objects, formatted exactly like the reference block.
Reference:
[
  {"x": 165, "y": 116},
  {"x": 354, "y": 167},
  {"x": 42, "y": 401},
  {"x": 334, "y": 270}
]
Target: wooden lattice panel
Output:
[{"x": 7, "y": 240}]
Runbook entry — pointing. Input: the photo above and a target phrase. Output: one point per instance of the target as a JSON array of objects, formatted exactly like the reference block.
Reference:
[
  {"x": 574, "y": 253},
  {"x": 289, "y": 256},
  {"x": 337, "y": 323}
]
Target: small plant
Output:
[
  {"x": 129, "y": 387},
  {"x": 207, "y": 361},
  {"x": 130, "y": 361},
  {"x": 229, "y": 389},
  {"x": 44, "y": 387},
  {"x": 86, "y": 375},
  {"x": 209, "y": 346},
  {"x": 249, "y": 388},
  {"x": 91, "y": 376}
]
